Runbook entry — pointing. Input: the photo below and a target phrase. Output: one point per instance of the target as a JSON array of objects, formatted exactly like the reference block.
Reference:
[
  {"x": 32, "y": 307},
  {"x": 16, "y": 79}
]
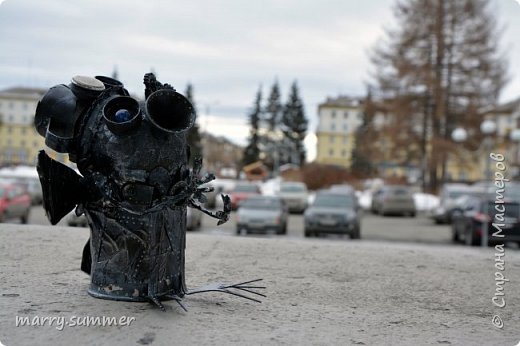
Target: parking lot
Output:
[{"x": 373, "y": 227}]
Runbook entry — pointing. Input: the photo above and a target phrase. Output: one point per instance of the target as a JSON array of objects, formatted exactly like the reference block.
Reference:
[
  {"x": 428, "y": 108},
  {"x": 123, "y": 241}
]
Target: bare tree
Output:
[{"x": 439, "y": 69}]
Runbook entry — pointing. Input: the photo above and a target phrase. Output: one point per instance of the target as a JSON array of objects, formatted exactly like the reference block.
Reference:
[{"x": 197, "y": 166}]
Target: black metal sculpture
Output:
[{"x": 134, "y": 188}]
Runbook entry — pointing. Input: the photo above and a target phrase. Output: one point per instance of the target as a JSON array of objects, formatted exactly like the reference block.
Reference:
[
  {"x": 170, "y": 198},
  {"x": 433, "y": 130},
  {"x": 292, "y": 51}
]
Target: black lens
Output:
[
  {"x": 170, "y": 111},
  {"x": 122, "y": 114}
]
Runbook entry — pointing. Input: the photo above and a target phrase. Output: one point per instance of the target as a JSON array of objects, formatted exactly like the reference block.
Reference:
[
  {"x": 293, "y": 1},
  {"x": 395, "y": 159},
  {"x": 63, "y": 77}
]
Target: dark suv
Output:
[{"x": 477, "y": 213}]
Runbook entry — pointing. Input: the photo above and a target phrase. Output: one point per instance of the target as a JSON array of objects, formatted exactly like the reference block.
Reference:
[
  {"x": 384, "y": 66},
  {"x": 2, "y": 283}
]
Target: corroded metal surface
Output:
[{"x": 134, "y": 187}]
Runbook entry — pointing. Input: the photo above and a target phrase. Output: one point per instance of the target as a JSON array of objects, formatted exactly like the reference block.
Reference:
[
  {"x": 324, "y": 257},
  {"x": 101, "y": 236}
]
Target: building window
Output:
[
  {"x": 360, "y": 116},
  {"x": 9, "y": 129},
  {"x": 331, "y": 139},
  {"x": 344, "y": 153},
  {"x": 331, "y": 152},
  {"x": 345, "y": 127},
  {"x": 22, "y": 143},
  {"x": 25, "y": 106},
  {"x": 11, "y": 105},
  {"x": 345, "y": 115},
  {"x": 11, "y": 118},
  {"x": 333, "y": 127},
  {"x": 345, "y": 140},
  {"x": 23, "y": 130},
  {"x": 333, "y": 114}
]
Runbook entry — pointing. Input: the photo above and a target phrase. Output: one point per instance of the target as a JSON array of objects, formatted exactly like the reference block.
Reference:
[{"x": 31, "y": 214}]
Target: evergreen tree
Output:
[
  {"x": 252, "y": 150},
  {"x": 115, "y": 73},
  {"x": 361, "y": 153},
  {"x": 294, "y": 128},
  {"x": 273, "y": 110},
  {"x": 271, "y": 138},
  {"x": 193, "y": 136},
  {"x": 438, "y": 70}
]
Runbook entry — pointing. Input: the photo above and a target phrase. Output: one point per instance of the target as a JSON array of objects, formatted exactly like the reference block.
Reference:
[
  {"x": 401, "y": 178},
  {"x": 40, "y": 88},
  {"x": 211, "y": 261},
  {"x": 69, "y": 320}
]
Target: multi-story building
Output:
[
  {"x": 19, "y": 141},
  {"x": 338, "y": 120},
  {"x": 221, "y": 156}
]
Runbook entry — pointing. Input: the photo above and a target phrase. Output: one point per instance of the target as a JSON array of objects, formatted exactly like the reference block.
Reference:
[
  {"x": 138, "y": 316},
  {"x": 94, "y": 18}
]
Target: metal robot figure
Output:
[{"x": 134, "y": 188}]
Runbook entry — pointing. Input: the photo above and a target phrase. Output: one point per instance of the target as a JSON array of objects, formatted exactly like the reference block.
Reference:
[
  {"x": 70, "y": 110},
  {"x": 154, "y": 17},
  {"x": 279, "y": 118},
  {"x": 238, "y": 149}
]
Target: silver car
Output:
[
  {"x": 394, "y": 199},
  {"x": 448, "y": 201},
  {"x": 333, "y": 212},
  {"x": 262, "y": 214},
  {"x": 295, "y": 196}
]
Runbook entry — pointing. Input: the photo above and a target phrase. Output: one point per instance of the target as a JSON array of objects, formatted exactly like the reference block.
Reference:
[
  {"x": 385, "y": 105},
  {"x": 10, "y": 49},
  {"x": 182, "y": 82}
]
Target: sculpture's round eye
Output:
[{"x": 122, "y": 115}]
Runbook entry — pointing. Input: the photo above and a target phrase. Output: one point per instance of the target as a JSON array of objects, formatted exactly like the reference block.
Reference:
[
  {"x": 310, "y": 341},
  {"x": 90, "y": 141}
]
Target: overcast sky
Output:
[{"x": 225, "y": 48}]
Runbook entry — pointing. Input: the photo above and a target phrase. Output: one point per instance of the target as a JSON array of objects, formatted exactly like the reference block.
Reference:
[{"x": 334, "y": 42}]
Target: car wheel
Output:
[
  {"x": 356, "y": 234},
  {"x": 239, "y": 231},
  {"x": 470, "y": 239},
  {"x": 283, "y": 230},
  {"x": 412, "y": 214},
  {"x": 455, "y": 236},
  {"x": 308, "y": 234},
  {"x": 24, "y": 218}
]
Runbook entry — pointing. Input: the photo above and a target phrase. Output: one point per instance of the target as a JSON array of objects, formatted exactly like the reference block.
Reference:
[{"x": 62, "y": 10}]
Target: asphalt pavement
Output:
[
  {"x": 373, "y": 227},
  {"x": 323, "y": 291}
]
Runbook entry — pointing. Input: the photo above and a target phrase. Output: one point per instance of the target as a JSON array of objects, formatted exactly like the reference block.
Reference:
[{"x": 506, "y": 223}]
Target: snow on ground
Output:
[
  {"x": 271, "y": 187},
  {"x": 425, "y": 201},
  {"x": 19, "y": 171},
  {"x": 364, "y": 199}
]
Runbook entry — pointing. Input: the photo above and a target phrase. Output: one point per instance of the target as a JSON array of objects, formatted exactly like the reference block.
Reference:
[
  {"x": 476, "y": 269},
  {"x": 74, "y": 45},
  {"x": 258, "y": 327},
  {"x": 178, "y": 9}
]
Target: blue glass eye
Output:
[{"x": 122, "y": 116}]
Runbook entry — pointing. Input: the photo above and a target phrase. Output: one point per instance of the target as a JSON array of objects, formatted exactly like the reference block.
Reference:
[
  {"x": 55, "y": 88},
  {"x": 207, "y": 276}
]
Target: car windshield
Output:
[
  {"x": 293, "y": 188},
  {"x": 245, "y": 188},
  {"x": 261, "y": 203},
  {"x": 457, "y": 194},
  {"x": 400, "y": 192},
  {"x": 510, "y": 209},
  {"x": 334, "y": 200}
]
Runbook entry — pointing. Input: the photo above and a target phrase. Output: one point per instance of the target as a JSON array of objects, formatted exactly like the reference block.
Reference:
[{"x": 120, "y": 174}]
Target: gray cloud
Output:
[{"x": 226, "y": 48}]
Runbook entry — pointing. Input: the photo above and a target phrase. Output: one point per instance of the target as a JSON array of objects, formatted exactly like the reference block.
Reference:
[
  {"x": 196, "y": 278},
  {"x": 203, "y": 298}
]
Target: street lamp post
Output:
[
  {"x": 515, "y": 137},
  {"x": 488, "y": 128}
]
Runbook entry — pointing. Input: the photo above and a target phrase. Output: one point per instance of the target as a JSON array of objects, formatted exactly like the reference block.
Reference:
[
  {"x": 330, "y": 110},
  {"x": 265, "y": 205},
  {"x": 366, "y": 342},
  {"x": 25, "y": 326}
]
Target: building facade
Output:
[
  {"x": 19, "y": 141},
  {"x": 338, "y": 120}
]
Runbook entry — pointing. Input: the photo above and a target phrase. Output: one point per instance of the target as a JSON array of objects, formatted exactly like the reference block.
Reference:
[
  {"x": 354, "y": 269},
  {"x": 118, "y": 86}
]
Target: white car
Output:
[{"x": 295, "y": 196}]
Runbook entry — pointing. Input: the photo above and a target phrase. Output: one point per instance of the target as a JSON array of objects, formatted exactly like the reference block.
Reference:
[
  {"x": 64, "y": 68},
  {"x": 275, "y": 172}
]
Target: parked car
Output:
[
  {"x": 262, "y": 214},
  {"x": 15, "y": 202},
  {"x": 448, "y": 196},
  {"x": 26, "y": 176},
  {"x": 242, "y": 191},
  {"x": 295, "y": 195},
  {"x": 394, "y": 199},
  {"x": 220, "y": 186},
  {"x": 342, "y": 188},
  {"x": 479, "y": 212},
  {"x": 193, "y": 219},
  {"x": 333, "y": 212}
]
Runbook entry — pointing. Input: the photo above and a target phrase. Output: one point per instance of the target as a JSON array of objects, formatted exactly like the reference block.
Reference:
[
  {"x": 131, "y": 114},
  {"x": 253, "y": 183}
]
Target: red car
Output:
[
  {"x": 241, "y": 192},
  {"x": 15, "y": 202}
]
